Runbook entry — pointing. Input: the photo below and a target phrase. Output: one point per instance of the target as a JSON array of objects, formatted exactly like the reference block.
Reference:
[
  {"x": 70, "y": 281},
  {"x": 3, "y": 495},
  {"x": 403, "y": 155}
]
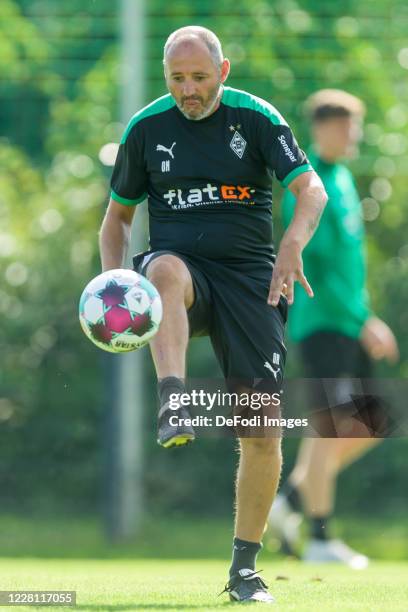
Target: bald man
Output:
[{"x": 203, "y": 156}]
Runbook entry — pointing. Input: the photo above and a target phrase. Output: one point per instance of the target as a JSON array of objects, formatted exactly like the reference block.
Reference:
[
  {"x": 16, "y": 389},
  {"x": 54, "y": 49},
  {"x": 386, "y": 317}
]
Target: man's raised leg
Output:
[{"x": 171, "y": 277}]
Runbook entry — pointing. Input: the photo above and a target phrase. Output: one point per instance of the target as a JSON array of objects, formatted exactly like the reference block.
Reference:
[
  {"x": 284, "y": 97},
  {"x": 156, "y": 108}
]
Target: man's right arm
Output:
[{"x": 114, "y": 235}]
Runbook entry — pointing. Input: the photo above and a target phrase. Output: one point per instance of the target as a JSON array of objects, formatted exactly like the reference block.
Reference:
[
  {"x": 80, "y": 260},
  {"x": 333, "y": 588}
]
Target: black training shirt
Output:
[{"x": 208, "y": 182}]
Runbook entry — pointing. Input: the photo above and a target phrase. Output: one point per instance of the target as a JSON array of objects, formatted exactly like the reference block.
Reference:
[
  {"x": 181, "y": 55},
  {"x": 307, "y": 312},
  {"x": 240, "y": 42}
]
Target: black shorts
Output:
[
  {"x": 230, "y": 306},
  {"x": 342, "y": 386},
  {"x": 329, "y": 354}
]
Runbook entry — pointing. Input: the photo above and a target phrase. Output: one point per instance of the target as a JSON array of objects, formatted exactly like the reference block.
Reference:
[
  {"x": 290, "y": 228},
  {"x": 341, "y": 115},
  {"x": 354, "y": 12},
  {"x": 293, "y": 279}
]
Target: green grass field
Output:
[
  {"x": 194, "y": 584},
  {"x": 182, "y": 564}
]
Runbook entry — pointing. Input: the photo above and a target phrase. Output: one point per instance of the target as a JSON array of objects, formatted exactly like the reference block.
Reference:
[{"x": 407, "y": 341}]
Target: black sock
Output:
[
  {"x": 319, "y": 528},
  {"x": 292, "y": 495},
  {"x": 167, "y": 386},
  {"x": 244, "y": 555}
]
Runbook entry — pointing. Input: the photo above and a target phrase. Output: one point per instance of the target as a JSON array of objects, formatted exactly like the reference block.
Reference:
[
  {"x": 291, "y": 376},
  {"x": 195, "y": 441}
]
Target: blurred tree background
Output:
[{"x": 59, "y": 80}]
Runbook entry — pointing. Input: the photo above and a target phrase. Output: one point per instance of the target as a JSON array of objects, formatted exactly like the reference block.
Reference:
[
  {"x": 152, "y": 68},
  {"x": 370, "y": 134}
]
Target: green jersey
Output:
[{"x": 334, "y": 260}]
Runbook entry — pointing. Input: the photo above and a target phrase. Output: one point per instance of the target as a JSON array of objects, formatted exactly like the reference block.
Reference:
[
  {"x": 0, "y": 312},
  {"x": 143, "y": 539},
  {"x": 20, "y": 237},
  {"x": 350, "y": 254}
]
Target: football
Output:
[{"x": 120, "y": 311}]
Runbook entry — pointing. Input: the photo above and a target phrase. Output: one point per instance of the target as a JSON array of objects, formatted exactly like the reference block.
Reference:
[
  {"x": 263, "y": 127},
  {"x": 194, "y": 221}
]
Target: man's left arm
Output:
[{"x": 311, "y": 199}]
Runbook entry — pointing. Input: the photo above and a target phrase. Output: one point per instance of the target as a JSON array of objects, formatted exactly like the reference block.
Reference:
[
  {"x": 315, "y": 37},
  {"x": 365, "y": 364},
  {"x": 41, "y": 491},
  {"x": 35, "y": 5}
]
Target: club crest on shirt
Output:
[{"x": 238, "y": 144}]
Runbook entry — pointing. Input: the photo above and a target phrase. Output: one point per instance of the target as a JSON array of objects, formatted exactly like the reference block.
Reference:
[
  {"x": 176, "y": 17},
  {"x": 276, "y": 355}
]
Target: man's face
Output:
[
  {"x": 338, "y": 136},
  {"x": 193, "y": 78}
]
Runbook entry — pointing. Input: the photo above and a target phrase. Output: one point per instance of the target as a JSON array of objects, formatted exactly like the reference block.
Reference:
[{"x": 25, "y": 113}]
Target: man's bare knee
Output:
[
  {"x": 167, "y": 268},
  {"x": 169, "y": 273}
]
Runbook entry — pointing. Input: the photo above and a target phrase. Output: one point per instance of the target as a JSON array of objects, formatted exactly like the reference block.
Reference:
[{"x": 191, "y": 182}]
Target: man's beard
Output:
[{"x": 212, "y": 101}]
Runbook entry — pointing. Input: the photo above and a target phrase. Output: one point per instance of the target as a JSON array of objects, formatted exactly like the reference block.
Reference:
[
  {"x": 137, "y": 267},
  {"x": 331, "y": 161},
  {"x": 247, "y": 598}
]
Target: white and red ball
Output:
[{"x": 120, "y": 311}]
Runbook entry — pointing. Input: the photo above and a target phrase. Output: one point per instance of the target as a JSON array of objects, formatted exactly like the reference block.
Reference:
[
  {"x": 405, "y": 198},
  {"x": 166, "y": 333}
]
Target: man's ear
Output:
[{"x": 225, "y": 69}]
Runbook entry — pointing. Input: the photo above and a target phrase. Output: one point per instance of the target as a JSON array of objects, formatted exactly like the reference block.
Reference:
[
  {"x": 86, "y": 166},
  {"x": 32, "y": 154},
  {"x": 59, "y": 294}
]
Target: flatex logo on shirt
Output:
[{"x": 210, "y": 194}]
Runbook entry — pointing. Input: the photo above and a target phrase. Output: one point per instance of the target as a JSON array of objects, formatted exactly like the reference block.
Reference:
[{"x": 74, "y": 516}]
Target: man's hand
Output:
[
  {"x": 311, "y": 199},
  {"x": 288, "y": 269},
  {"x": 379, "y": 341}
]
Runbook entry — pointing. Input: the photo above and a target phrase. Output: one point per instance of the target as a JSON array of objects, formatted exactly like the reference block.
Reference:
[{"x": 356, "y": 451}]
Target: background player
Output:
[
  {"x": 204, "y": 155},
  {"x": 338, "y": 336}
]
